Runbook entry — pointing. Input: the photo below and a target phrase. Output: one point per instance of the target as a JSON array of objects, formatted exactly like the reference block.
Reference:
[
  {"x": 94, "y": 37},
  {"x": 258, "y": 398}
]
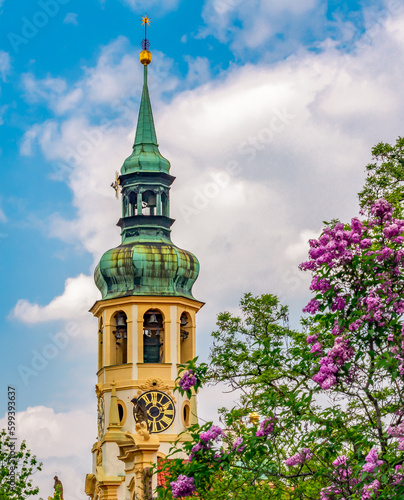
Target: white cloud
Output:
[
  {"x": 5, "y": 64},
  {"x": 5, "y": 69},
  {"x": 115, "y": 82},
  {"x": 141, "y": 5},
  {"x": 281, "y": 27},
  {"x": 71, "y": 18},
  {"x": 251, "y": 24},
  {"x": 62, "y": 441},
  {"x": 299, "y": 133},
  {"x": 46, "y": 89},
  {"x": 79, "y": 295},
  {"x": 3, "y": 217},
  {"x": 198, "y": 70}
]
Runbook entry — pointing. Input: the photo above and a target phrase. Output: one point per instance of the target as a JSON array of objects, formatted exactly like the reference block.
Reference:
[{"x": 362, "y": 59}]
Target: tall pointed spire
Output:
[
  {"x": 146, "y": 155},
  {"x": 145, "y": 131},
  {"x": 147, "y": 262}
]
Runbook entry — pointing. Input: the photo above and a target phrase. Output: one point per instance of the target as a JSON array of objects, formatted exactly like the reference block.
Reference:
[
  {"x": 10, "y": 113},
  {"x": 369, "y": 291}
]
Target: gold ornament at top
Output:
[
  {"x": 145, "y": 20},
  {"x": 145, "y": 55}
]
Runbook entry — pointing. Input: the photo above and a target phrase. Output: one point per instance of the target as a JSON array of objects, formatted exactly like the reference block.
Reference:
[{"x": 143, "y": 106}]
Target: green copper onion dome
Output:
[{"x": 146, "y": 262}]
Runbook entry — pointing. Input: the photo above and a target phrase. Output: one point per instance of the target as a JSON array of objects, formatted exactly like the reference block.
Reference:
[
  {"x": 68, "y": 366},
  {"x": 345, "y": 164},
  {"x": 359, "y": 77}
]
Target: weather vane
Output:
[{"x": 145, "y": 42}]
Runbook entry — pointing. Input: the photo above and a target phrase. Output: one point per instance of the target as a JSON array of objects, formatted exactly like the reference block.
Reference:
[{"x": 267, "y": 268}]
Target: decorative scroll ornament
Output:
[{"x": 155, "y": 384}]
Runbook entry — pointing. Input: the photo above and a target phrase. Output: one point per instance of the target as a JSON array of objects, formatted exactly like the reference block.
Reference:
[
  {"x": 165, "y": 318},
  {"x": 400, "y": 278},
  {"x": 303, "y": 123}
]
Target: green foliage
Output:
[
  {"x": 385, "y": 176},
  {"x": 270, "y": 368},
  {"x": 17, "y": 465},
  {"x": 258, "y": 356},
  {"x": 58, "y": 493}
]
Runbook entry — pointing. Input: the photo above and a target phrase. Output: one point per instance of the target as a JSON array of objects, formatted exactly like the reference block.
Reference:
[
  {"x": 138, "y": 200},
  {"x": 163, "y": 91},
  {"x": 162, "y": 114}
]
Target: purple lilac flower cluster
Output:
[
  {"x": 316, "y": 348},
  {"x": 381, "y": 209},
  {"x": 398, "y": 352},
  {"x": 299, "y": 458},
  {"x": 187, "y": 381},
  {"x": 335, "y": 246},
  {"x": 338, "y": 246},
  {"x": 329, "y": 493},
  {"x": 398, "y": 477},
  {"x": 206, "y": 439},
  {"x": 266, "y": 427},
  {"x": 183, "y": 487},
  {"x": 342, "y": 470},
  {"x": 211, "y": 435},
  {"x": 372, "y": 461},
  {"x": 397, "y": 431},
  {"x": 339, "y": 354},
  {"x": 371, "y": 490},
  {"x": 342, "y": 473},
  {"x": 335, "y": 249},
  {"x": 238, "y": 446}
]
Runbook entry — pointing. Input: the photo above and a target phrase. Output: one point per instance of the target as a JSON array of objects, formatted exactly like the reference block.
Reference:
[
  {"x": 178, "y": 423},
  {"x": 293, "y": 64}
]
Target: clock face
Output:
[
  {"x": 101, "y": 417},
  {"x": 160, "y": 410}
]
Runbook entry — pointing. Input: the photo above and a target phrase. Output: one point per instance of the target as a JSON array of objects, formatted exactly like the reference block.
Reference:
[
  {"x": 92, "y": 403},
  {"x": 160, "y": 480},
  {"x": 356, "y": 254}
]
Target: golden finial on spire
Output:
[
  {"x": 145, "y": 20},
  {"x": 145, "y": 55}
]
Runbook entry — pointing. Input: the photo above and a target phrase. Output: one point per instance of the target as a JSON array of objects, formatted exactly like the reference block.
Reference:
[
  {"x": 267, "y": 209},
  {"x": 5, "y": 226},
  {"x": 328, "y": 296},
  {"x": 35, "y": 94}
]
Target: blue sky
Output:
[{"x": 294, "y": 94}]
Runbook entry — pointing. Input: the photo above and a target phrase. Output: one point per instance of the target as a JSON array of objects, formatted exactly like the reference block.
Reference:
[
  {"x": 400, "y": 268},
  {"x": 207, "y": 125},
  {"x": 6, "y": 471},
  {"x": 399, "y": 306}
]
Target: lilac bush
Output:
[
  {"x": 335, "y": 392},
  {"x": 358, "y": 339}
]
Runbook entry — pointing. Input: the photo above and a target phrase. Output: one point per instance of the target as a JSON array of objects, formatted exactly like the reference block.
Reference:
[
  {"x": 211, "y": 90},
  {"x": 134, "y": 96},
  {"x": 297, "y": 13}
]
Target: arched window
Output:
[
  {"x": 100, "y": 343},
  {"x": 149, "y": 198},
  {"x": 121, "y": 338},
  {"x": 132, "y": 204},
  {"x": 185, "y": 338},
  {"x": 153, "y": 336}
]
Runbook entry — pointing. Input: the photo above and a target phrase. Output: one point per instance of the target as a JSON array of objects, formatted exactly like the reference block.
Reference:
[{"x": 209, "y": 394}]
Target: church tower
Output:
[{"x": 146, "y": 325}]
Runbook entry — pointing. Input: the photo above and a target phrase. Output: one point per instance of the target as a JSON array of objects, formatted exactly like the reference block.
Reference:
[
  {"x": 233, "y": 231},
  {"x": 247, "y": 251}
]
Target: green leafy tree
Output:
[
  {"x": 330, "y": 399},
  {"x": 17, "y": 465},
  {"x": 385, "y": 176}
]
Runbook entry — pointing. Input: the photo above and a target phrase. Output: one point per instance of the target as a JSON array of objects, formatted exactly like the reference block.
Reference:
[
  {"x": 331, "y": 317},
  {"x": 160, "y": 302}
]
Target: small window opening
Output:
[
  {"x": 120, "y": 412},
  {"x": 121, "y": 338},
  {"x": 153, "y": 337}
]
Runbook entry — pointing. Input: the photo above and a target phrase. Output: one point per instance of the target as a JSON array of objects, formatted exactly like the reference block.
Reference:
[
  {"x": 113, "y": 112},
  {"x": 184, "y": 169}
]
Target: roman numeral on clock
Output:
[{"x": 167, "y": 420}]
